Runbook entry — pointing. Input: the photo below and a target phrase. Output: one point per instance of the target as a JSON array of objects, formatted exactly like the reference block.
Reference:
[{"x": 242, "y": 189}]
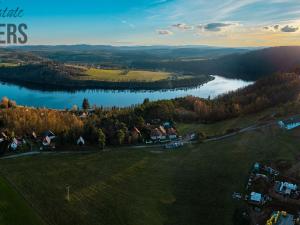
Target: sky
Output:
[{"x": 230, "y": 23}]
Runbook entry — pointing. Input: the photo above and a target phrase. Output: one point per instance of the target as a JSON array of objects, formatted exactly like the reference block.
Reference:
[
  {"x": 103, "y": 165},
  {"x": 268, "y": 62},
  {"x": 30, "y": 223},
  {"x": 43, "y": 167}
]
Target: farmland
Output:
[
  {"x": 125, "y": 76},
  {"x": 134, "y": 186}
]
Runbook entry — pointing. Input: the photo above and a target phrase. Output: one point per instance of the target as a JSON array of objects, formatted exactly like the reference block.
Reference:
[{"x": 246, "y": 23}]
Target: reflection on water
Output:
[{"x": 61, "y": 99}]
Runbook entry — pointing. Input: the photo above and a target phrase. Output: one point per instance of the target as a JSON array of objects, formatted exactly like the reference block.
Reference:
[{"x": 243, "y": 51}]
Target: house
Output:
[
  {"x": 281, "y": 218},
  {"x": 46, "y": 141},
  {"x": 163, "y": 133},
  {"x": 155, "y": 134},
  {"x": 256, "y": 198},
  {"x": 285, "y": 188},
  {"x": 80, "y": 141},
  {"x": 290, "y": 123},
  {"x": 172, "y": 134},
  {"x": 83, "y": 115}
]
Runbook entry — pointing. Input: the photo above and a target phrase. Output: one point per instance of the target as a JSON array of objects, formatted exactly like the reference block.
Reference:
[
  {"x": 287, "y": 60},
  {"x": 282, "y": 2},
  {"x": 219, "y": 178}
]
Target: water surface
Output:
[{"x": 106, "y": 98}]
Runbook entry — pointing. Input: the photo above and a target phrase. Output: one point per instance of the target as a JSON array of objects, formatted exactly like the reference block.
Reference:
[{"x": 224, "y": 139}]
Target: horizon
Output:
[{"x": 218, "y": 23}]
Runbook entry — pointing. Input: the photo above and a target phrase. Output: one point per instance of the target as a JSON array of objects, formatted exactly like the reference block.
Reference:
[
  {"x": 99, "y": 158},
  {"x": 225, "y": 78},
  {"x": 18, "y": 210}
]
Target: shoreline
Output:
[{"x": 78, "y": 85}]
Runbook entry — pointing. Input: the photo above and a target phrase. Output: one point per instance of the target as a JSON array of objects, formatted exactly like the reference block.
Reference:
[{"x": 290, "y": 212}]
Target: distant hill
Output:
[
  {"x": 250, "y": 66},
  {"x": 15, "y": 56},
  {"x": 125, "y": 55},
  {"x": 198, "y": 60}
]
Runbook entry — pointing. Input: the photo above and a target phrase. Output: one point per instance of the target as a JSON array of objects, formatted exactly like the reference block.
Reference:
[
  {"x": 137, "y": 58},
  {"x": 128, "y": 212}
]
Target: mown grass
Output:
[
  {"x": 125, "y": 76},
  {"x": 14, "y": 210},
  {"x": 188, "y": 186}
]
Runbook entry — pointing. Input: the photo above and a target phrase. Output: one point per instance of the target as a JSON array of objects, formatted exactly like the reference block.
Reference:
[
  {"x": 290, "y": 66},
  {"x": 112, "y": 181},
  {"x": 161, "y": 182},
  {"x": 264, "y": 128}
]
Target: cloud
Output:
[
  {"x": 164, "y": 32},
  {"x": 289, "y": 29},
  {"x": 215, "y": 27},
  {"x": 285, "y": 29},
  {"x": 182, "y": 26}
]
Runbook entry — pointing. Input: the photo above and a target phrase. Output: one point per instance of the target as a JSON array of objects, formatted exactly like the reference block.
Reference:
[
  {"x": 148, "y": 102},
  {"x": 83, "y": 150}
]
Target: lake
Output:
[{"x": 107, "y": 98}]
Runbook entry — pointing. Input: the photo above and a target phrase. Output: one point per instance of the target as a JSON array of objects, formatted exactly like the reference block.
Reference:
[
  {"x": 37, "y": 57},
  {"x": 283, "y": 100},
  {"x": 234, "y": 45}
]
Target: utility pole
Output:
[{"x": 68, "y": 193}]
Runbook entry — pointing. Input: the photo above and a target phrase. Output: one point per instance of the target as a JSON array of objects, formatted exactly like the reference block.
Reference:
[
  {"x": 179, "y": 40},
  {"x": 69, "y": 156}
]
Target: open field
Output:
[
  {"x": 189, "y": 186},
  {"x": 14, "y": 210},
  {"x": 125, "y": 76},
  {"x": 8, "y": 64}
]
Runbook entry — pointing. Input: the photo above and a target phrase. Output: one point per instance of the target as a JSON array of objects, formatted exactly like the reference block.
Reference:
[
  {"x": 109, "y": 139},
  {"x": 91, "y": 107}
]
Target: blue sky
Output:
[{"x": 166, "y": 22}]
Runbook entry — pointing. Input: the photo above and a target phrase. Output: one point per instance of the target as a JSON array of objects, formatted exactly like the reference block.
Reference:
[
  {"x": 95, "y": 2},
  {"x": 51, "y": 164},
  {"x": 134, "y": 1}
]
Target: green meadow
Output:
[{"x": 130, "y": 186}]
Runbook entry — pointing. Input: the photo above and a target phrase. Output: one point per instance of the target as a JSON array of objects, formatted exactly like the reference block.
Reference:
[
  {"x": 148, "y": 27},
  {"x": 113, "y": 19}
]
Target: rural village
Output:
[{"x": 272, "y": 194}]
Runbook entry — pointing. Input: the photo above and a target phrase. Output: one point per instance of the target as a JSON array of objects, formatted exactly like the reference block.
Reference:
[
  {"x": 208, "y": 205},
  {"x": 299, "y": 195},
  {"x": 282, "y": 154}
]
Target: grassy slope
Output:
[
  {"x": 119, "y": 76},
  {"x": 221, "y": 127},
  {"x": 191, "y": 186},
  {"x": 13, "y": 208}
]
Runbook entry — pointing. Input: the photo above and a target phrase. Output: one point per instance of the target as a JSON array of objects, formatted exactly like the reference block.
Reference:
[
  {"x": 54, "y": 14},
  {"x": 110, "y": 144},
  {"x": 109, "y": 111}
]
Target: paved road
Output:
[{"x": 244, "y": 130}]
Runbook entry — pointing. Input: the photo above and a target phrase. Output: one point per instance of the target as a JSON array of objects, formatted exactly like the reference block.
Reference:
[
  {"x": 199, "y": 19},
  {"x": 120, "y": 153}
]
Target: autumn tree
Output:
[{"x": 4, "y": 103}]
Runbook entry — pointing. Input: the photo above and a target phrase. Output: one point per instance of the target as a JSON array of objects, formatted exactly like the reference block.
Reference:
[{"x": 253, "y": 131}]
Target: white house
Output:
[{"x": 80, "y": 141}]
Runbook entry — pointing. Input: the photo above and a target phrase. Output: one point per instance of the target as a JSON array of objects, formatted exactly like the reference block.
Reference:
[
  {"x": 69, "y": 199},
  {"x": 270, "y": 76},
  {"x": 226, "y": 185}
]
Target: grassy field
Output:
[
  {"x": 220, "y": 128},
  {"x": 125, "y": 76},
  {"x": 190, "y": 186},
  {"x": 14, "y": 210},
  {"x": 8, "y": 64}
]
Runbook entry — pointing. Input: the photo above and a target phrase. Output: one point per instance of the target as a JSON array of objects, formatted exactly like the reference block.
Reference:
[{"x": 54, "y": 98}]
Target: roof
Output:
[
  {"x": 34, "y": 134},
  {"x": 256, "y": 197},
  {"x": 171, "y": 131},
  {"x": 134, "y": 129},
  {"x": 80, "y": 140},
  {"x": 46, "y": 141},
  {"x": 156, "y": 132},
  {"x": 3, "y": 135},
  {"x": 282, "y": 219},
  {"x": 290, "y": 123},
  {"x": 162, "y": 130},
  {"x": 48, "y": 133},
  {"x": 287, "y": 187}
]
